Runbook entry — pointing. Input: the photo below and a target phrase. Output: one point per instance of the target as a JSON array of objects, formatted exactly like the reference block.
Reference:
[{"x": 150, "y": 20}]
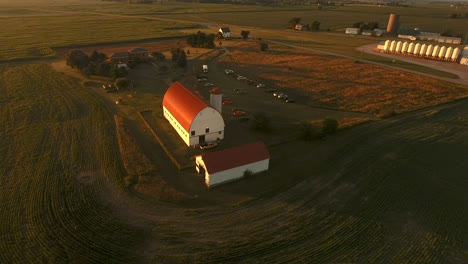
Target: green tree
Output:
[
  {"x": 119, "y": 72},
  {"x": 245, "y": 34},
  {"x": 308, "y": 132},
  {"x": 97, "y": 57},
  {"x": 261, "y": 122},
  {"x": 315, "y": 25},
  {"x": 329, "y": 126},
  {"x": 121, "y": 83},
  {"x": 182, "y": 59},
  {"x": 77, "y": 59},
  {"x": 158, "y": 56},
  {"x": 263, "y": 46}
]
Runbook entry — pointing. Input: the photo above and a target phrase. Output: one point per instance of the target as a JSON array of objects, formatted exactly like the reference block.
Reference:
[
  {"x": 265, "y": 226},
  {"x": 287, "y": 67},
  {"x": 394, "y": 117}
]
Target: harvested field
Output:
[{"x": 328, "y": 81}]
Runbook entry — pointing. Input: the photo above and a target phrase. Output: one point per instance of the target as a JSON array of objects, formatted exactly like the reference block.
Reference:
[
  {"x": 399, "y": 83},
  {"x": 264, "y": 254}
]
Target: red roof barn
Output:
[{"x": 233, "y": 163}]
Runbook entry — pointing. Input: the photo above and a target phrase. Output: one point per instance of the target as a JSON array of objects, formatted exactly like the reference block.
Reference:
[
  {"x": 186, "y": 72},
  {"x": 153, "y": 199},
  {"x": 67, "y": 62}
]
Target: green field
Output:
[{"x": 58, "y": 161}]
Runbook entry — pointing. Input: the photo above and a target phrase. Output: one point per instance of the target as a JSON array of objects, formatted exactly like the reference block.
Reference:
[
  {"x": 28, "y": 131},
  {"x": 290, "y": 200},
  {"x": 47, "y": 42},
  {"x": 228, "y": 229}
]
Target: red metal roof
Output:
[
  {"x": 235, "y": 157},
  {"x": 182, "y": 104}
]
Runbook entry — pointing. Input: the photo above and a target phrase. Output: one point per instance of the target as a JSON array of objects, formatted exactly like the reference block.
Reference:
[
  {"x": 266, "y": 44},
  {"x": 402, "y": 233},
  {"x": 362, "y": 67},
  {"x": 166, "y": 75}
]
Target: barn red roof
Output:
[
  {"x": 235, "y": 157},
  {"x": 182, "y": 104}
]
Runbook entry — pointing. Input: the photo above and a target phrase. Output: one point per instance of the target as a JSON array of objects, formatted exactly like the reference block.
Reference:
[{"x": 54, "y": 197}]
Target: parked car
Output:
[
  {"x": 228, "y": 71},
  {"x": 238, "y": 113},
  {"x": 243, "y": 118},
  {"x": 290, "y": 100},
  {"x": 202, "y": 79},
  {"x": 236, "y": 109},
  {"x": 235, "y": 75},
  {"x": 260, "y": 85},
  {"x": 208, "y": 145},
  {"x": 241, "y": 78},
  {"x": 271, "y": 90},
  {"x": 208, "y": 84},
  {"x": 227, "y": 102},
  {"x": 275, "y": 94},
  {"x": 282, "y": 96},
  {"x": 201, "y": 76}
]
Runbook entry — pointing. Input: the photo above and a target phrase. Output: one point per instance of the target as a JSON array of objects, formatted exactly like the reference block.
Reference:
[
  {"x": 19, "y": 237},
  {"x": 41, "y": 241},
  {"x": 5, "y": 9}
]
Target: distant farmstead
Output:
[
  {"x": 233, "y": 163},
  {"x": 195, "y": 121},
  {"x": 138, "y": 53},
  {"x": 225, "y": 32},
  {"x": 120, "y": 58}
]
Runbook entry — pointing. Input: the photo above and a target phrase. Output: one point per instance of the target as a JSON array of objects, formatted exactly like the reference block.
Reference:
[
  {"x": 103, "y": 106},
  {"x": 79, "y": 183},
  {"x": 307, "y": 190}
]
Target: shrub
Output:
[
  {"x": 329, "y": 126},
  {"x": 261, "y": 122},
  {"x": 308, "y": 132}
]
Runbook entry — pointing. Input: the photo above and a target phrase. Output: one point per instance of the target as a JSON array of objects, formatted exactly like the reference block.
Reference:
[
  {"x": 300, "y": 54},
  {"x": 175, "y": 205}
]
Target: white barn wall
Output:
[
  {"x": 235, "y": 173},
  {"x": 177, "y": 127},
  {"x": 207, "y": 118}
]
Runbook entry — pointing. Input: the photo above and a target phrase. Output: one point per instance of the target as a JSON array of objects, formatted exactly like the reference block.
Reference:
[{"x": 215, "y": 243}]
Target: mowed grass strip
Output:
[{"x": 57, "y": 162}]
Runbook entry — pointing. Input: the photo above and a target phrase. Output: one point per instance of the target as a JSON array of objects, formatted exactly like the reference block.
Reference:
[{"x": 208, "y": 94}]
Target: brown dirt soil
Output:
[{"x": 329, "y": 81}]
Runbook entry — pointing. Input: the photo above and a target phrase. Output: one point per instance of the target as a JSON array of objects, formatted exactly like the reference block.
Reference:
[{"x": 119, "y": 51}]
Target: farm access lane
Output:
[{"x": 463, "y": 77}]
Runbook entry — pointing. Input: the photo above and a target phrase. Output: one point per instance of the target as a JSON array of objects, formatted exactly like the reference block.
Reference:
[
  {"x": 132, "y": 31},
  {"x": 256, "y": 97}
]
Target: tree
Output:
[
  {"x": 121, "y": 83},
  {"x": 201, "y": 40},
  {"x": 119, "y": 72},
  {"x": 261, "y": 122},
  {"x": 329, "y": 126},
  {"x": 263, "y": 46},
  {"x": 103, "y": 69},
  {"x": 182, "y": 59},
  {"x": 245, "y": 34},
  {"x": 308, "y": 131},
  {"x": 315, "y": 25},
  {"x": 77, "y": 59},
  {"x": 97, "y": 57},
  {"x": 159, "y": 56},
  {"x": 293, "y": 21}
]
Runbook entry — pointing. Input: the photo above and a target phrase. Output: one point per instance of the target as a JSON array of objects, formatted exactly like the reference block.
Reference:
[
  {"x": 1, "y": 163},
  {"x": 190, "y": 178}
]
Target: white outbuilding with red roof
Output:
[
  {"x": 233, "y": 163},
  {"x": 195, "y": 121}
]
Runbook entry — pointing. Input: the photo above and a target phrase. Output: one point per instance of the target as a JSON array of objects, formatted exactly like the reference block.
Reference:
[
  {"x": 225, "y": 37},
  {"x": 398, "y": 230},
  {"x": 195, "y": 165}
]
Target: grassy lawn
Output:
[{"x": 58, "y": 158}]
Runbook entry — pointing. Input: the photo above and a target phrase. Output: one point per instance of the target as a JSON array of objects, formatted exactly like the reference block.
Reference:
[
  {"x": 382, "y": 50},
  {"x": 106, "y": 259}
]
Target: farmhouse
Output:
[
  {"x": 138, "y": 53},
  {"x": 120, "y": 59},
  {"x": 233, "y": 163},
  {"x": 225, "y": 32},
  {"x": 299, "y": 27},
  {"x": 195, "y": 121}
]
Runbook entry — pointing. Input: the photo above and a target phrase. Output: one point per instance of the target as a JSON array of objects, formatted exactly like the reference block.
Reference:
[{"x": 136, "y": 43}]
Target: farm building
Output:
[
  {"x": 195, "y": 121},
  {"x": 353, "y": 31},
  {"x": 119, "y": 58},
  {"x": 233, "y": 163},
  {"x": 299, "y": 27},
  {"x": 138, "y": 53},
  {"x": 225, "y": 32}
]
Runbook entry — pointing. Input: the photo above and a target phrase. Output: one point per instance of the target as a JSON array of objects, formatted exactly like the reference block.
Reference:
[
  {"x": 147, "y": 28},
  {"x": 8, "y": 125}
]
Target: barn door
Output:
[{"x": 201, "y": 140}]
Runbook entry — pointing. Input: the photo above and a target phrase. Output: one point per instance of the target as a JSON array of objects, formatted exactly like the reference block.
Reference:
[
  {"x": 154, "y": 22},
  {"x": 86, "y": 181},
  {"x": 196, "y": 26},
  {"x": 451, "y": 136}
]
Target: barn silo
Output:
[
  {"x": 435, "y": 52},
  {"x": 422, "y": 52},
  {"x": 442, "y": 51},
  {"x": 404, "y": 48},
  {"x": 417, "y": 48},
  {"x": 398, "y": 46},
  {"x": 386, "y": 45},
  {"x": 392, "y": 46},
  {"x": 429, "y": 50},
  {"x": 448, "y": 53},
  {"x": 393, "y": 23},
  {"x": 411, "y": 48},
  {"x": 455, "y": 54}
]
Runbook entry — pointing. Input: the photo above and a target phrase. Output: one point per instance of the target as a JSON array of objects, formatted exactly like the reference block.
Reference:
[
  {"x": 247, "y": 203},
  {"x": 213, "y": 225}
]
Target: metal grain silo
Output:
[
  {"x": 398, "y": 46},
  {"x": 392, "y": 46},
  {"x": 387, "y": 45},
  {"x": 411, "y": 48},
  {"x": 404, "y": 47},
  {"x": 442, "y": 51},
  {"x": 417, "y": 47},
  {"x": 429, "y": 50},
  {"x": 422, "y": 52},
  {"x": 448, "y": 53},
  {"x": 435, "y": 52},
  {"x": 455, "y": 54},
  {"x": 393, "y": 23}
]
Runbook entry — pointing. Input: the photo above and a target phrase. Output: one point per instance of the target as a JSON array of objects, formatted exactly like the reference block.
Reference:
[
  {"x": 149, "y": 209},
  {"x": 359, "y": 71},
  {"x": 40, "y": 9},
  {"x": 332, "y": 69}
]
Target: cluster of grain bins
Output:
[{"x": 436, "y": 52}]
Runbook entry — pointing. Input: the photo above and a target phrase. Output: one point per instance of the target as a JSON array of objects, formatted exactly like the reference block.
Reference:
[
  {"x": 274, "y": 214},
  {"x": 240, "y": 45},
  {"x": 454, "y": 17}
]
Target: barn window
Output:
[
  {"x": 220, "y": 132},
  {"x": 192, "y": 133},
  {"x": 207, "y": 130}
]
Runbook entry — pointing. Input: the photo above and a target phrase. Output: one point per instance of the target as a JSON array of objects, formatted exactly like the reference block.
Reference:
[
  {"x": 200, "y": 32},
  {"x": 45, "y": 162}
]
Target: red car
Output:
[
  {"x": 238, "y": 113},
  {"x": 227, "y": 102}
]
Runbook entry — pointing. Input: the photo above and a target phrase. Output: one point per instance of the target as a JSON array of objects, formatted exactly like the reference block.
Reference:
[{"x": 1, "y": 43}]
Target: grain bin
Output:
[
  {"x": 387, "y": 45},
  {"x": 429, "y": 50},
  {"x": 435, "y": 52},
  {"x": 411, "y": 48},
  {"x": 442, "y": 51},
  {"x": 404, "y": 48},
  {"x": 417, "y": 47},
  {"x": 455, "y": 54},
  {"x": 392, "y": 46},
  {"x": 393, "y": 23},
  {"x": 398, "y": 47},
  {"x": 448, "y": 53},
  {"x": 422, "y": 52}
]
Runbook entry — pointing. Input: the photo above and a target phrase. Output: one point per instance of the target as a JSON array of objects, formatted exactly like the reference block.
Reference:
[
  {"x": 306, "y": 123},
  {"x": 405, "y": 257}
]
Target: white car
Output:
[
  {"x": 228, "y": 71},
  {"x": 260, "y": 85},
  {"x": 202, "y": 79},
  {"x": 208, "y": 84},
  {"x": 241, "y": 78}
]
